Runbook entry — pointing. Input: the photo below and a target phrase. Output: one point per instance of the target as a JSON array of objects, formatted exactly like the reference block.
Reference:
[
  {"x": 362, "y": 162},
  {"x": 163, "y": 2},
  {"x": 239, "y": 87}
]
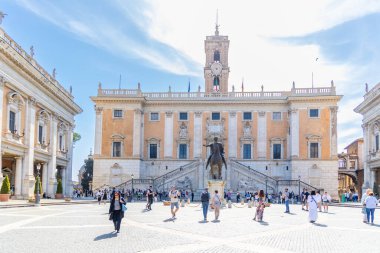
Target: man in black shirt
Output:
[{"x": 150, "y": 195}]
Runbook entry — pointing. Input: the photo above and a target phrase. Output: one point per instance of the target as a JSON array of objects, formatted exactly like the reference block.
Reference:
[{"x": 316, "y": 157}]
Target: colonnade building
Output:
[
  {"x": 268, "y": 136},
  {"x": 36, "y": 123}
]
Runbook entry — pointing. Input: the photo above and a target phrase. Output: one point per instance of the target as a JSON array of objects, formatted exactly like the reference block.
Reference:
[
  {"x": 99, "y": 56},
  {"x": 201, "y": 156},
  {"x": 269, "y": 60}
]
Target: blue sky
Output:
[{"x": 160, "y": 43}]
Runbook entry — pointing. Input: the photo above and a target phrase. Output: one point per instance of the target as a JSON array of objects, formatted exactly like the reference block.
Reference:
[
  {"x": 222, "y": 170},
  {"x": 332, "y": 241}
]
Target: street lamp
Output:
[
  {"x": 299, "y": 187},
  {"x": 38, "y": 185},
  {"x": 132, "y": 187},
  {"x": 266, "y": 185}
]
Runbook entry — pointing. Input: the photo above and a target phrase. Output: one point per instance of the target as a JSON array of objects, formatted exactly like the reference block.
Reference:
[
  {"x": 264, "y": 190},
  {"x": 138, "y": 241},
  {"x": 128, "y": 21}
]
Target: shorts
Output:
[{"x": 174, "y": 204}]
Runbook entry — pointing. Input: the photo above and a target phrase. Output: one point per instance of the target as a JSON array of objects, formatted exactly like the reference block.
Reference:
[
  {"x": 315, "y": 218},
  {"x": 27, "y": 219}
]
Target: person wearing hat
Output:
[{"x": 205, "y": 199}]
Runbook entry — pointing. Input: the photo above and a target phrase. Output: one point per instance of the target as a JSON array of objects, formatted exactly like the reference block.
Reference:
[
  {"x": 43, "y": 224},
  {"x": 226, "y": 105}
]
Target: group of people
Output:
[{"x": 350, "y": 196}]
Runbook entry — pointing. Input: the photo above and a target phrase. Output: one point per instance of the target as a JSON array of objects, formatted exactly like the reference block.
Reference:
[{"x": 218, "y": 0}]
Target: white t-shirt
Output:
[
  {"x": 318, "y": 198},
  {"x": 313, "y": 202},
  {"x": 174, "y": 196},
  {"x": 370, "y": 202},
  {"x": 326, "y": 197}
]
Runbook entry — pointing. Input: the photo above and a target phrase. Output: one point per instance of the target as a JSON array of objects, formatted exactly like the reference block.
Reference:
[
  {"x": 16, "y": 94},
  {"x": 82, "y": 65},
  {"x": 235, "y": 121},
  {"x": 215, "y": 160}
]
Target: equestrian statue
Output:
[{"x": 216, "y": 159}]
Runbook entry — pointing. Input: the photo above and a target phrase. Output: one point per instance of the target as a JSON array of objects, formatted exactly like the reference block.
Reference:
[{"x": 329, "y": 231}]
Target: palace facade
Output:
[
  {"x": 36, "y": 122},
  {"x": 370, "y": 109},
  {"x": 272, "y": 139}
]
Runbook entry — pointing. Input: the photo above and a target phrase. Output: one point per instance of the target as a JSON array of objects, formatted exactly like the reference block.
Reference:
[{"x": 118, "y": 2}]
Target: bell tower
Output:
[{"x": 216, "y": 68}]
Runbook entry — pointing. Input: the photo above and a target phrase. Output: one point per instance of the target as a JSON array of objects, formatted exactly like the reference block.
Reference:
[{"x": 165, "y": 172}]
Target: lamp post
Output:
[
  {"x": 38, "y": 185},
  {"x": 266, "y": 185},
  {"x": 132, "y": 186},
  {"x": 299, "y": 187}
]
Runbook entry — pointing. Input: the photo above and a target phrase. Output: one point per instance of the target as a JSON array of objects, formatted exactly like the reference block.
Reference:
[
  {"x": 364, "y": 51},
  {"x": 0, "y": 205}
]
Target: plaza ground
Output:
[{"x": 85, "y": 228}]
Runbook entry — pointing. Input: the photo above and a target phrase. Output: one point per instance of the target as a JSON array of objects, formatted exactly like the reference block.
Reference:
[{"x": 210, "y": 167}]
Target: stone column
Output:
[
  {"x": 18, "y": 177},
  {"x": 137, "y": 134},
  {"x": 262, "y": 136},
  {"x": 63, "y": 172},
  {"x": 333, "y": 132},
  {"x": 232, "y": 135},
  {"x": 52, "y": 165},
  {"x": 168, "y": 135},
  {"x": 98, "y": 130},
  {"x": 294, "y": 133},
  {"x": 197, "y": 135},
  {"x": 2, "y": 114},
  {"x": 44, "y": 177},
  {"x": 366, "y": 157},
  {"x": 28, "y": 187},
  {"x": 67, "y": 186}
]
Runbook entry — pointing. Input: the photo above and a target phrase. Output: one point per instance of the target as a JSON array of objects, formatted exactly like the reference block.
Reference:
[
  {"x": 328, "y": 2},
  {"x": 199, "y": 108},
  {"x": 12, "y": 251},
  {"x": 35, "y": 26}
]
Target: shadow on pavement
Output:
[
  {"x": 203, "y": 221},
  {"x": 106, "y": 236},
  {"x": 320, "y": 225},
  {"x": 264, "y": 223},
  {"x": 167, "y": 220}
]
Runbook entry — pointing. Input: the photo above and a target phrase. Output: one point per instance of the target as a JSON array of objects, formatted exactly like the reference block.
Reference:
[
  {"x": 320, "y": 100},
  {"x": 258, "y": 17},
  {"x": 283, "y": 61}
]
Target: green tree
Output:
[
  {"x": 38, "y": 181},
  {"x": 76, "y": 137},
  {"x": 6, "y": 186},
  {"x": 59, "y": 187},
  {"x": 88, "y": 173}
]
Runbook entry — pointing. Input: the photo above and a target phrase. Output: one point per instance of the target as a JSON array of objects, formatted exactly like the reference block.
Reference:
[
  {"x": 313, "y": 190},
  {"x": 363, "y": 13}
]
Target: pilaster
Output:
[
  {"x": 294, "y": 133},
  {"x": 333, "y": 132},
  {"x": 262, "y": 136},
  {"x": 98, "y": 130},
  {"x": 137, "y": 133},
  {"x": 232, "y": 135},
  {"x": 197, "y": 134},
  {"x": 168, "y": 133},
  {"x": 2, "y": 82},
  {"x": 68, "y": 170},
  {"x": 18, "y": 177},
  {"x": 44, "y": 178},
  {"x": 52, "y": 165}
]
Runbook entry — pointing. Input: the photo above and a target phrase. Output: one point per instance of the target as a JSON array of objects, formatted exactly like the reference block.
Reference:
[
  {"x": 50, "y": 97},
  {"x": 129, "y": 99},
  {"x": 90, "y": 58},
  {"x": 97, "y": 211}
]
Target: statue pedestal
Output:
[{"x": 216, "y": 185}]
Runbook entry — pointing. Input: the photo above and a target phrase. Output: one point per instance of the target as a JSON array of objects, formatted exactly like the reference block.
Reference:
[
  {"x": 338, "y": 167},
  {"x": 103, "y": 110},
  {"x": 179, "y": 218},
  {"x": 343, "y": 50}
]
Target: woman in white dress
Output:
[
  {"x": 313, "y": 202},
  {"x": 216, "y": 202}
]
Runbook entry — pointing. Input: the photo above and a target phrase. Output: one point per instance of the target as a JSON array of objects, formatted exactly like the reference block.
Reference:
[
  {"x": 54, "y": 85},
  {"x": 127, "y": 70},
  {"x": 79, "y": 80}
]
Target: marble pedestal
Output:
[{"x": 216, "y": 185}]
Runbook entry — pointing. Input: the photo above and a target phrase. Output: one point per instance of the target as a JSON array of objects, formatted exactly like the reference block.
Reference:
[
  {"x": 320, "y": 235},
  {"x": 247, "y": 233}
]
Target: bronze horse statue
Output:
[{"x": 216, "y": 159}]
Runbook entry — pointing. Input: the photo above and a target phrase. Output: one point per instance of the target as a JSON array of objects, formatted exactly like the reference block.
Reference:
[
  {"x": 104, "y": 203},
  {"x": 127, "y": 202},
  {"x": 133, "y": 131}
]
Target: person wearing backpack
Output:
[{"x": 205, "y": 199}]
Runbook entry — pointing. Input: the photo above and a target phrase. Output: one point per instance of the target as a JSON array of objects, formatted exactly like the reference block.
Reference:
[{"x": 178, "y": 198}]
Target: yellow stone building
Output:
[
  {"x": 272, "y": 139},
  {"x": 36, "y": 122}
]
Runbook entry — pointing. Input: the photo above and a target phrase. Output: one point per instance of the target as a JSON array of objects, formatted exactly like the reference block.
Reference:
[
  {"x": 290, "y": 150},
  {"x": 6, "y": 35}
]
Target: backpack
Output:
[{"x": 205, "y": 197}]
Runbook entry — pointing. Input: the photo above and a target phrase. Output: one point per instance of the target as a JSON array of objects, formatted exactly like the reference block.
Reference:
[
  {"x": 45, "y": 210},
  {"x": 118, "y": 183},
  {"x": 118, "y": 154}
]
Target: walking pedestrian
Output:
[
  {"x": 99, "y": 197},
  {"x": 286, "y": 198},
  {"x": 205, "y": 199},
  {"x": 326, "y": 198},
  {"x": 150, "y": 195},
  {"x": 237, "y": 197},
  {"x": 313, "y": 207},
  {"x": 105, "y": 197},
  {"x": 192, "y": 196},
  {"x": 364, "y": 211},
  {"x": 259, "y": 213},
  {"x": 216, "y": 203},
  {"x": 174, "y": 198},
  {"x": 370, "y": 205},
  {"x": 319, "y": 200},
  {"x": 115, "y": 211}
]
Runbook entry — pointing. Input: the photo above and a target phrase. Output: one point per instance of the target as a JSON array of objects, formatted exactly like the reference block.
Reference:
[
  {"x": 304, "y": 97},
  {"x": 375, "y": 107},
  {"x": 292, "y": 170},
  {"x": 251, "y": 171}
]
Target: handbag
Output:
[
  {"x": 123, "y": 207},
  {"x": 111, "y": 216}
]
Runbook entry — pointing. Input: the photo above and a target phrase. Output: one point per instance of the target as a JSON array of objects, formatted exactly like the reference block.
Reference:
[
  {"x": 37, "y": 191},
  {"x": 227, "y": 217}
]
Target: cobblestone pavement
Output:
[{"x": 85, "y": 228}]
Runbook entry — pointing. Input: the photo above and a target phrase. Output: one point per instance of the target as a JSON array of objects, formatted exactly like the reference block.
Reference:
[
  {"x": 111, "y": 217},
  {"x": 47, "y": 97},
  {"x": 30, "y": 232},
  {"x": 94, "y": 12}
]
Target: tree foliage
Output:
[
  {"x": 88, "y": 173},
  {"x": 59, "y": 187},
  {"x": 76, "y": 137},
  {"x": 6, "y": 186}
]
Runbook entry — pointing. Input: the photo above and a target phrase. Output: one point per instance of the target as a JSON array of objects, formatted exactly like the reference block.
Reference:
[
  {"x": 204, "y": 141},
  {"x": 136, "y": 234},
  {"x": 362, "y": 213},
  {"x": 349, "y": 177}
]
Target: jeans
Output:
[
  {"x": 370, "y": 212},
  {"x": 205, "y": 209},
  {"x": 117, "y": 216},
  {"x": 287, "y": 205}
]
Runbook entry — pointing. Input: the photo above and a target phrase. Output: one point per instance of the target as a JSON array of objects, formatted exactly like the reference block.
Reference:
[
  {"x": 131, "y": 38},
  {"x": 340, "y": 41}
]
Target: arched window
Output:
[
  {"x": 216, "y": 55},
  {"x": 216, "y": 83}
]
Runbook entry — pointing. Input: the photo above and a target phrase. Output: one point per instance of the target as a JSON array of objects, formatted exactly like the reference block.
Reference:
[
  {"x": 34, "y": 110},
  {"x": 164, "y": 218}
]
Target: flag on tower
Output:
[
  {"x": 242, "y": 85},
  {"x": 188, "y": 88}
]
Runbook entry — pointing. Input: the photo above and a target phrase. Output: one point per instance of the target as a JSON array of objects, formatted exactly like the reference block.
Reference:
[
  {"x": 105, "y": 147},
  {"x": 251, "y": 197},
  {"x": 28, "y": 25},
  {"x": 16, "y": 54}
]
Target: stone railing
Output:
[
  {"x": 327, "y": 91},
  {"x": 29, "y": 63}
]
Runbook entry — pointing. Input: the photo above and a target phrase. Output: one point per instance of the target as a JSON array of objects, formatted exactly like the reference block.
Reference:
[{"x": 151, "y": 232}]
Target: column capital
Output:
[
  {"x": 169, "y": 114},
  {"x": 292, "y": 110},
  {"x": 98, "y": 109},
  {"x": 32, "y": 101},
  {"x": 261, "y": 113},
  {"x": 334, "y": 109},
  {"x": 54, "y": 116},
  {"x": 198, "y": 114},
  {"x": 138, "y": 110},
  {"x": 233, "y": 114},
  {"x": 2, "y": 81}
]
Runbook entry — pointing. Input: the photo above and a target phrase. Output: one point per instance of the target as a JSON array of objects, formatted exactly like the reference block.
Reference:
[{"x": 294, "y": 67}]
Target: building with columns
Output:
[
  {"x": 272, "y": 139},
  {"x": 36, "y": 122},
  {"x": 370, "y": 109}
]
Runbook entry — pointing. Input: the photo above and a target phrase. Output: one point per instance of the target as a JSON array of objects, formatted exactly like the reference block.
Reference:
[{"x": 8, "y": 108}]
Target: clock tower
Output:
[{"x": 216, "y": 69}]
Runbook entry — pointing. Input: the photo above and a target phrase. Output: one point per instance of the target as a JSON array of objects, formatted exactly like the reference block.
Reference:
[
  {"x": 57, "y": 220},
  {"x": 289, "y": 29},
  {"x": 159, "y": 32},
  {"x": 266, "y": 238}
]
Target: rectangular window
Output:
[
  {"x": 314, "y": 150},
  {"x": 215, "y": 116},
  {"x": 153, "y": 151},
  {"x": 313, "y": 113},
  {"x": 377, "y": 142},
  {"x": 117, "y": 113},
  {"x": 182, "y": 151},
  {"x": 276, "y": 151},
  {"x": 276, "y": 115},
  {"x": 154, "y": 116},
  {"x": 247, "y": 151},
  {"x": 12, "y": 121},
  {"x": 60, "y": 142},
  {"x": 183, "y": 116},
  {"x": 116, "y": 149},
  {"x": 247, "y": 116},
  {"x": 40, "y": 133}
]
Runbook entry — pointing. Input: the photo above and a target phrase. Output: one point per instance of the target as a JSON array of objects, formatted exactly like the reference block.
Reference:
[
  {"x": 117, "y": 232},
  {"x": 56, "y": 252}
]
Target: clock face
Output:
[{"x": 216, "y": 68}]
